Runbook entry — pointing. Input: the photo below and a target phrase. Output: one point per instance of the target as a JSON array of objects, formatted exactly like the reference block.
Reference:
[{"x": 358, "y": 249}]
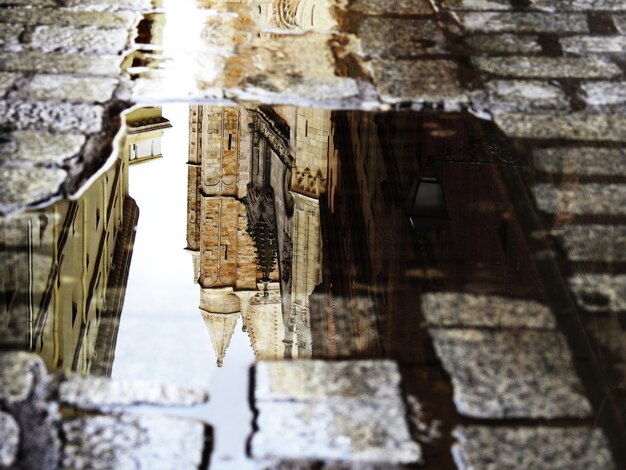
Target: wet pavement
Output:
[{"x": 411, "y": 254}]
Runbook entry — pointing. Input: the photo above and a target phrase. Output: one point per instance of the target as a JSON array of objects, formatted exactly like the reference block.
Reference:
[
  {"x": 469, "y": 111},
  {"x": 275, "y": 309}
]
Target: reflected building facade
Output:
[{"x": 66, "y": 266}]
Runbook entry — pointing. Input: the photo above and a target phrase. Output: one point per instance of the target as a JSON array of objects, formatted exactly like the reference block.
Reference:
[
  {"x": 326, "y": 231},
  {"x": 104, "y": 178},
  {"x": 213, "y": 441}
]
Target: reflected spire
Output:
[{"x": 221, "y": 327}]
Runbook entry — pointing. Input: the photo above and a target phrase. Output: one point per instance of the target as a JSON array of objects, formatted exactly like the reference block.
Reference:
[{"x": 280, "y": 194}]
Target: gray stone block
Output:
[
  {"x": 399, "y": 7},
  {"x": 573, "y": 126},
  {"x": 581, "y": 161},
  {"x": 494, "y": 5},
  {"x": 68, "y": 88},
  {"x": 599, "y": 292},
  {"x": 9, "y": 440},
  {"x": 58, "y": 62},
  {"x": 85, "y": 40},
  {"x": 504, "y": 43},
  {"x": 511, "y": 374},
  {"x": 610, "y": 96},
  {"x": 97, "y": 392},
  {"x": 620, "y": 23},
  {"x": 506, "y": 22},
  {"x": 526, "y": 95},
  {"x": 398, "y": 37},
  {"x": 71, "y": 18},
  {"x": 579, "y": 5},
  {"x": 36, "y": 147},
  {"x": 6, "y": 81},
  {"x": 321, "y": 380},
  {"x": 583, "y": 45},
  {"x": 345, "y": 430},
  {"x": 592, "y": 198},
  {"x": 574, "y": 448},
  {"x": 112, "y": 5},
  {"x": 605, "y": 243},
  {"x": 55, "y": 116},
  {"x": 20, "y": 373},
  {"x": 453, "y": 309},
  {"x": 20, "y": 187},
  {"x": 548, "y": 67},
  {"x": 9, "y": 35},
  {"x": 132, "y": 441}
]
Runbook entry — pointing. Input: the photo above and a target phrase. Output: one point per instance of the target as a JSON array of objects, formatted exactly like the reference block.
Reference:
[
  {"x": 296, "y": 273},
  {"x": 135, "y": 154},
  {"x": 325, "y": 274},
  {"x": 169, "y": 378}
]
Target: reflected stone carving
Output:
[
  {"x": 266, "y": 297},
  {"x": 284, "y": 13},
  {"x": 487, "y": 150},
  {"x": 286, "y": 258},
  {"x": 263, "y": 127},
  {"x": 304, "y": 181},
  {"x": 262, "y": 227}
]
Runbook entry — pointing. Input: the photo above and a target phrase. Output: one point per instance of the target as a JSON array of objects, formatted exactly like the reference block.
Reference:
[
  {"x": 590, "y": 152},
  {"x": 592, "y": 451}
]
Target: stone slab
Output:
[
  {"x": 399, "y": 37},
  {"x": 113, "y": 5},
  {"x": 598, "y": 199},
  {"x": 610, "y": 96},
  {"x": 596, "y": 161},
  {"x": 20, "y": 187},
  {"x": 548, "y": 67},
  {"x": 132, "y": 441},
  {"x": 526, "y": 95},
  {"x": 35, "y": 147},
  {"x": 455, "y": 309},
  {"x": 9, "y": 36},
  {"x": 97, "y": 392},
  {"x": 531, "y": 447},
  {"x": 511, "y": 374},
  {"x": 55, "y": 116},
  {"x": 59, "y": 62},
  {"x": 599, "y": 292},
  {"x": 582, "y": 45},
  {"x": 344, "y": 430},
  {"x": 66, "y": 17},
  {"x": 321, "y": 380},
  {"x": 6, "y": 81},
  {"x": 573, "y": 126},
  {"x": 68, "y": 88},
  {"x": 86, "y": 40},
  {"x": 9, "y": 440},
  {"x": 504, "y": 43},
  {"x": 398, "y": 7},
  {"x": 579, "y": 5},
  {"x": 602, "y": 243},
  {"x": 493, "y": 5},
  {"x": 19, "y": 375},
  {"x": 507, "y": 22}
]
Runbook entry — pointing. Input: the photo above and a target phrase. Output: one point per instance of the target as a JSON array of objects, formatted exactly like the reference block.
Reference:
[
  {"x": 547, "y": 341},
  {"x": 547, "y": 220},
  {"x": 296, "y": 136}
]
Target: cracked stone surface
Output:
[
  {"x": 599, "y": 292},
  {"x": 132, "y": 441},
  {"x": 450, "y": 309},
  {"x": 94, "y": 392},
  {"x": 531, "y": 447},
  {"x": 343, "y": 411},
  {"x": 9, "y": 440},
  {"x": 510, "y": 374}
]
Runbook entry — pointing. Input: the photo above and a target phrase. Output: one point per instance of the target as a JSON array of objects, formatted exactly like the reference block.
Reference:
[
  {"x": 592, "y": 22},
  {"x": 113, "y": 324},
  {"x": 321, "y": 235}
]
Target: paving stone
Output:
[
  {"x": 36, "y": 147},
  {"x": 477, "y": 4},
  {"x": 531, "y": 447},
  {"x": 354, "y": 430},
  {"x": 579, "y": 5},
  {"x": 68, "y": 88},
  {"x": 401, "y": 7},
  {"x": 581, "y": 160},
  {"x": 319, "y": 380},
  {"x": 526, "y": 95},
  {"x": 505, "y": 22},
  {"x": 38, "y": 3},
  {"x": 504, "y": 43},
  {"x": 583, "y": 45},
  {"x": 97, "y": 392},
  {"x": 89, "y": 40},
  {"x": 599, "y": 292},
  {"x": 19, "y": 371},
  {"x": 566, "y": 67},
  {"x": 606, "y": 243},
  {"x": 20, "y": 187},
  {"x": 605, "y": 95},
  {"x": 604, "y": 199},
  {"x": 620, "y": 23},
  {"x": 455, "y": 309},
  {"x": 52, "y": 116},
  {"x": 573, "y": 126},
  {"x": 71, "y": 18},
  {"x": 399, "y": 37},
  {"x": 511, "y": 374},
  {"x": 9, "y": 440},
  {"x": 6, "y": 81},
  {"x": 9, "y": 35},
  {"x": 58, "y": 62},
  {"x": 429, "y": 81},
  {"x": 104, "y": 5},
  {"x": 132, "y": 441}
]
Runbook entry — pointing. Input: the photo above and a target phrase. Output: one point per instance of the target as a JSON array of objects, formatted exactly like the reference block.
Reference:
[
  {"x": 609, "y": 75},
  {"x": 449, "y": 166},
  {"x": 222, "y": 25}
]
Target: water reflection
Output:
[{"x": 66, "y": 266}]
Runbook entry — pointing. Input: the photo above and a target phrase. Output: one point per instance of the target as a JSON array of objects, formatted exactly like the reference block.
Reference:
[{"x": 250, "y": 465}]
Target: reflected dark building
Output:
[{"x": 66, "y": 266}]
